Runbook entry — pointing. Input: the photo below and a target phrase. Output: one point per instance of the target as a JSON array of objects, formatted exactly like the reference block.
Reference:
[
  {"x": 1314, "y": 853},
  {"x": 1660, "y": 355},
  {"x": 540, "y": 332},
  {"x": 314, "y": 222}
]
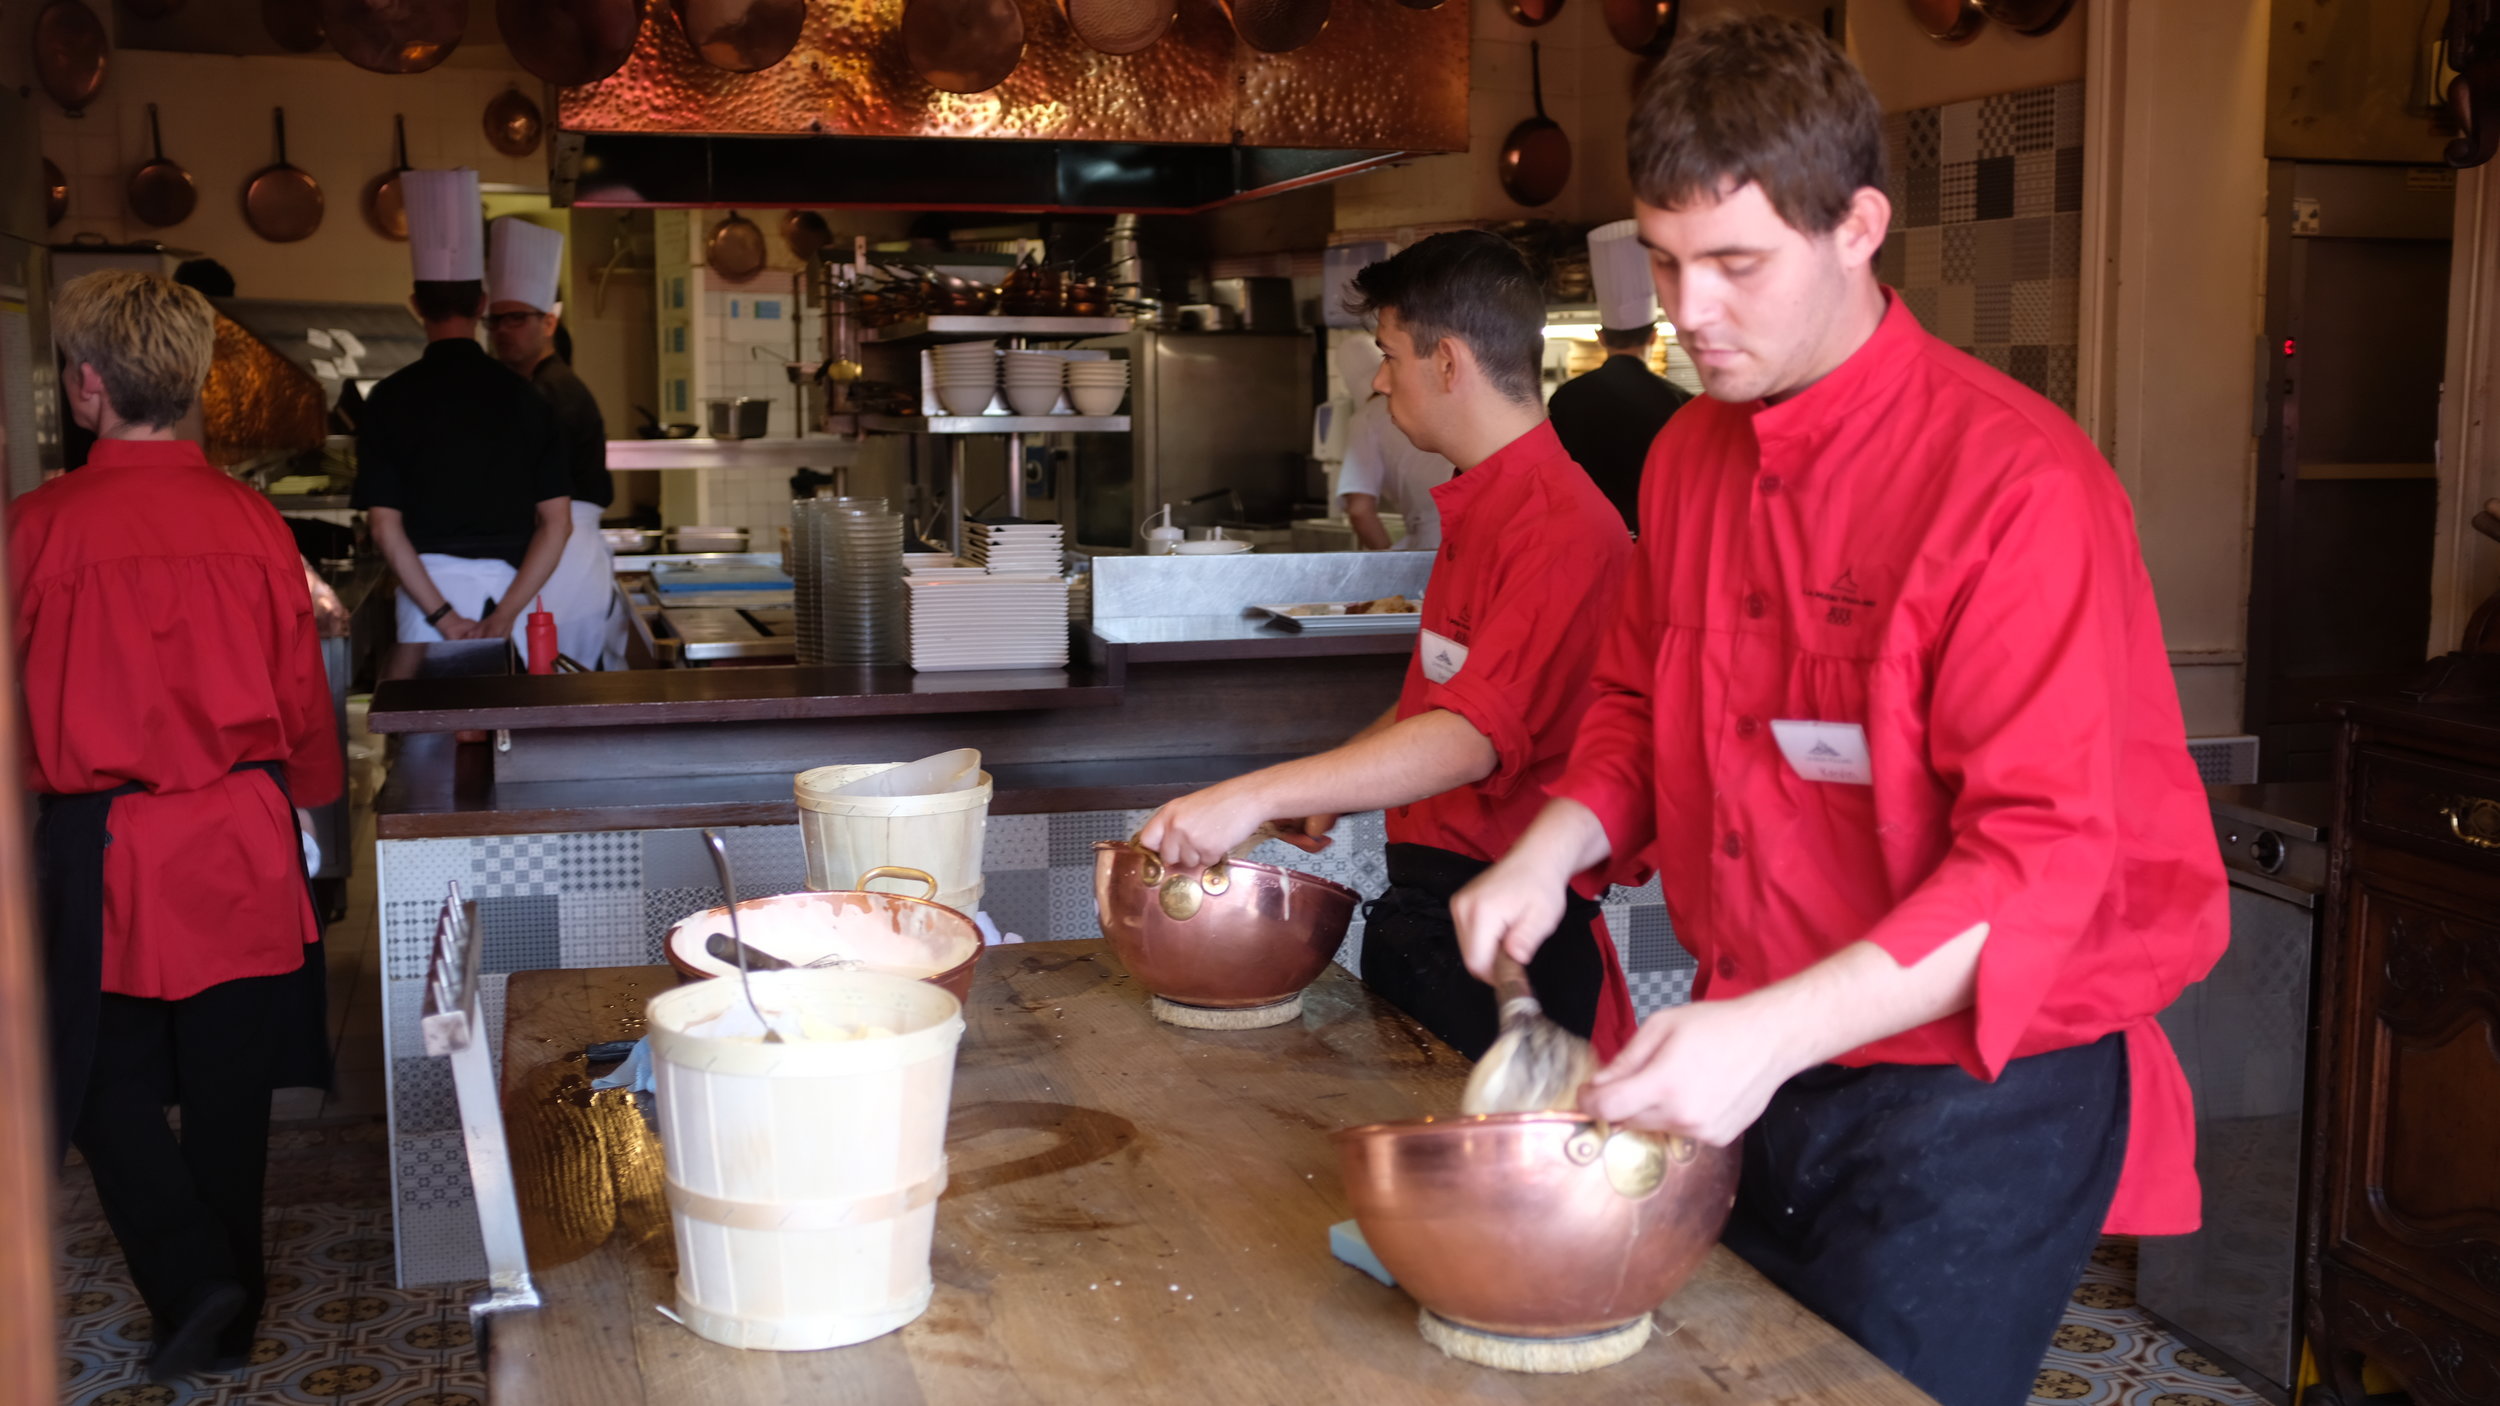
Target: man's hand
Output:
[
  {"x": 1512, "y": 907},
  {"x": 1203, "y": 826},
  {"x": 1705, "y": 1071},
  {"x": 457, "y": 626},
  {"x": 1309, "y": 834}
]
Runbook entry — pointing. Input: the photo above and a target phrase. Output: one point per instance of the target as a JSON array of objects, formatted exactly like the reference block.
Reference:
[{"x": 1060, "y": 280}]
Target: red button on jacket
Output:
[
  {"x": 164, "y": 636},
  {"x": 1951, "y": 567}
]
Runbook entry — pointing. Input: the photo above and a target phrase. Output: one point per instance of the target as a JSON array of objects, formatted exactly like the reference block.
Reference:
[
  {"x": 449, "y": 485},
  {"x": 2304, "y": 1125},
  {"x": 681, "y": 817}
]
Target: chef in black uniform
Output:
[
  {"x": 524, "y": 262},
  {"x": 1607, "y": 417},
  {"x": 460, "y": 466}
]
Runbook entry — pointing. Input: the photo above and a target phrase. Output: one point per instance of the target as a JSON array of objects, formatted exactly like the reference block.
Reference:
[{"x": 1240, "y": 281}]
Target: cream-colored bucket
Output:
[
  {"x": 803, "y": 1177},
  {"x": 846, "y": 836}
]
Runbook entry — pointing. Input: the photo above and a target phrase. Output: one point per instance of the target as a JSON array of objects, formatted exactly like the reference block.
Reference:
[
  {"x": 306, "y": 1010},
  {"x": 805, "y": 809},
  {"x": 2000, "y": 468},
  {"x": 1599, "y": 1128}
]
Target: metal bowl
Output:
[
  {"x": 881, "y": 932},
  {"x": 631, "y": 541},
  {"x": 1536, "y": 1225},
  {"x": 1232, "y": 936}
]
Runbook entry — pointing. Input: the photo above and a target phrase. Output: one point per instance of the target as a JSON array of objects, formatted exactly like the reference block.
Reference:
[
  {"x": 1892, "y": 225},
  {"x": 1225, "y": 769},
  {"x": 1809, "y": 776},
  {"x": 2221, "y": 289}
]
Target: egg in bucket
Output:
[
  {"x": 1535, "y": 1242},
  {"x": 1227, "y": 947},
  {"x": 803, "y": 1176},
  {"x": 842, "y": 929}
]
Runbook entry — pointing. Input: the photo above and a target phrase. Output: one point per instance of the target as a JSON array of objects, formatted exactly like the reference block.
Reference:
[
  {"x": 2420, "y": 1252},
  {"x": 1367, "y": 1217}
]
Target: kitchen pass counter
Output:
[{"x": 1134, "y": 1212}]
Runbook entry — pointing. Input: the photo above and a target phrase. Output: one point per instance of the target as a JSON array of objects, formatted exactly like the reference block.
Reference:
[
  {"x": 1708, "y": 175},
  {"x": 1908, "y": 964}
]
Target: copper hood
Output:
[{"x": 1197, "y": 119}]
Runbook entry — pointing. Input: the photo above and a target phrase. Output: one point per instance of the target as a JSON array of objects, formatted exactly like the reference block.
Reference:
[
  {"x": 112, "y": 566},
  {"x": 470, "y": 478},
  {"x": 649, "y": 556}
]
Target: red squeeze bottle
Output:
[{"x": 542, "y": 639}]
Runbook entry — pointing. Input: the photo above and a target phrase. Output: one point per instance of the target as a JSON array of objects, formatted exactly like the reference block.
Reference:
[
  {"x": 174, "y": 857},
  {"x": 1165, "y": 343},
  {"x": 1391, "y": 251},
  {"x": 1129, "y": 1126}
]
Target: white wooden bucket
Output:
[
  {"x": 803, "y": 1177},
  {"x": 846, "y": 836}
]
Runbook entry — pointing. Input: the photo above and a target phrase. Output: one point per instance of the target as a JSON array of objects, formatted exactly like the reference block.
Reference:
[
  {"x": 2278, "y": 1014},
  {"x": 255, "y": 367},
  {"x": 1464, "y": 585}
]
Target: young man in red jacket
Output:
[
  {"x": 176, "y": 716},
  {"x": 1887, "y": 706}
]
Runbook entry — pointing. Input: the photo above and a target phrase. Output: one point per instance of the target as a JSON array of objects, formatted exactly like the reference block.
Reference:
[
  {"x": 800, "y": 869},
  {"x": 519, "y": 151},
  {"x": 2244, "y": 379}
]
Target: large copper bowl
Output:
[
  {"x": 1229, "y": 937},
  {"x": 884, "y": 932},
  {"x": 1535, "y": 1225}
]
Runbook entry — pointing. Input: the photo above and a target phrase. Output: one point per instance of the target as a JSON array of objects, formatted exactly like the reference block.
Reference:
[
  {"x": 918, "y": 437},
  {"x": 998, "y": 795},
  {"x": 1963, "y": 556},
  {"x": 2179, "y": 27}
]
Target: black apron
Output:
[
  {"x": 71, "y": 835},
  {"x": 1411, "y": 956}
]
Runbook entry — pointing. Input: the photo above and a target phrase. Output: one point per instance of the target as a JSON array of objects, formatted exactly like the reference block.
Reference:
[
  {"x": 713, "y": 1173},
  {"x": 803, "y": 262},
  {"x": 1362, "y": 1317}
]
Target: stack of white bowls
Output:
[
  {"x": 967, "y": 376},
  {"x": 1097, "y": 387},
  {"x": 1034, "y": 381}
]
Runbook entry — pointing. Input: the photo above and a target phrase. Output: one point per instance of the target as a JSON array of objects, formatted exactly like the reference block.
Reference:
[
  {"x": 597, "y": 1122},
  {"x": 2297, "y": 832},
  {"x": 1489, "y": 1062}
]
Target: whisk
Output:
[{"x": 1534, "y": 1065}]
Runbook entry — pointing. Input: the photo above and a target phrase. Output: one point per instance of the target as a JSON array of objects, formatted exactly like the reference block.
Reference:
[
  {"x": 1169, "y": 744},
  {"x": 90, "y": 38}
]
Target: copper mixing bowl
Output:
[
  {"x": 1231, "y": 936},
  {"x": 1536, "y": 1225}
]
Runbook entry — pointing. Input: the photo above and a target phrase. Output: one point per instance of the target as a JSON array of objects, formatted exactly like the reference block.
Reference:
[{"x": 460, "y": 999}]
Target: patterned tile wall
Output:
[
  {"x": 609, "y": 899},
  {"x": 1987, "y": 218}
]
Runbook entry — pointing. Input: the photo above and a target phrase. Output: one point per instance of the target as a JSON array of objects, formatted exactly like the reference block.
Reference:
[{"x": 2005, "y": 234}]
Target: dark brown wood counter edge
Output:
[{"x": 780, "y": 694}]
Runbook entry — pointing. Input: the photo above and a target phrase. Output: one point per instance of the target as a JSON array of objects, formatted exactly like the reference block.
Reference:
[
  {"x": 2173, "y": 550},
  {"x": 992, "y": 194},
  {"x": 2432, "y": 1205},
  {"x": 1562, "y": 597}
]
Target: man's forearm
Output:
[
  {"x": 391, "y": 535},
  {"x": 537, "y": 565},
  {"x": 1390, "y": 763},
  {"x": 1860, "y": 995},
  {"x": 1362, "y": 513}
]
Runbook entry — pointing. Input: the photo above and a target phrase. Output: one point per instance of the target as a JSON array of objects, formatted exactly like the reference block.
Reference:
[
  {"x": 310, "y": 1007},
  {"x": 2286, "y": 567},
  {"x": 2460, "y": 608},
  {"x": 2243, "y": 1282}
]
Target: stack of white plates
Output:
[
  {"x": 998, "y": 621},
  {"x": 938, "y": 566},
  {"x": 1015, "y": 546},
  {"x": 1097, "y": 387},
  {"x": 1034, "y": 381},
  {"x": 846, "y": 559},
  {"x": 966, "y": 374}
]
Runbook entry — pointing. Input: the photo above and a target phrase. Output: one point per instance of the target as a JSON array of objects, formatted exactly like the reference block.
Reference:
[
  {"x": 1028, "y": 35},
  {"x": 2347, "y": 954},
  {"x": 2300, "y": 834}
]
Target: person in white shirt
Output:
[{"x": 1382, "y": 464}]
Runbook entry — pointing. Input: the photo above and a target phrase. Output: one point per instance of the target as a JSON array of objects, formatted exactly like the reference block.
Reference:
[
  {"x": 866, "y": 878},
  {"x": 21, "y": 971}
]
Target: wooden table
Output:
[{"x": 1136, "y": 1212}]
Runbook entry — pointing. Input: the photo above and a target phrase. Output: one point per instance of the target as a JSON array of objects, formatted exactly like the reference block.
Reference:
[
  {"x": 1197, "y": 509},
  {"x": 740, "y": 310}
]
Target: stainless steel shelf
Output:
[
  {"x": 995, "y": 424},
  {"x": 959, "y": 328}
]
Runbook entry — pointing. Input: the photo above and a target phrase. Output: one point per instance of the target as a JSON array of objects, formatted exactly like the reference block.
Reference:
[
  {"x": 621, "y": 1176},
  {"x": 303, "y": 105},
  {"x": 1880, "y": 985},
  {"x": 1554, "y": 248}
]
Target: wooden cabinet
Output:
[{"x": 2401, "y": 1223}]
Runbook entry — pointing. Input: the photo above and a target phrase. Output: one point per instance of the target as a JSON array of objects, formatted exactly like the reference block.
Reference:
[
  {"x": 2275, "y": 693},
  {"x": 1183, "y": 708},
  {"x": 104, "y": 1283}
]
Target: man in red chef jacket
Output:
[
  {"x": 1887, "y": 705},
  {"x": 1499, "y": 679},
  {"x": 176, "y": 714}
]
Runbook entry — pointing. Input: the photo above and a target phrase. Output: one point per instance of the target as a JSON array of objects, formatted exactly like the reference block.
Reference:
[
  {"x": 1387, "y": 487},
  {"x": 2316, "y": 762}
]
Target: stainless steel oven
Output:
[{"x": 2243, "y": 1035}]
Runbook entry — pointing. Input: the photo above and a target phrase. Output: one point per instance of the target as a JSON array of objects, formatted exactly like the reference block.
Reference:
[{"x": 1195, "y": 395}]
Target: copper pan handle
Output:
[{"x": 898, "y": 871}]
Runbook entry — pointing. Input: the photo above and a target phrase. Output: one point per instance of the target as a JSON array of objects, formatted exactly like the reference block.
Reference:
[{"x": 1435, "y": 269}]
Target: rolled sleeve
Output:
[
  {"x": 1548, "y": 601},
  {"x": 2029, "y": 704}
]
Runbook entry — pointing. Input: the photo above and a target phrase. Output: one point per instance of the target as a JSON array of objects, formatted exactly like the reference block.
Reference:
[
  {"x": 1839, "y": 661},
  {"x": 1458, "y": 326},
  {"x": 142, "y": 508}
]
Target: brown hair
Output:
[
  {"x": 1625, "y": 338},
  {"x": 442, "y": 302},
  {"x": 148, "y": 337},
  {"x": 1470, "y": 284},
  {"x": 1761, "y": 100}
]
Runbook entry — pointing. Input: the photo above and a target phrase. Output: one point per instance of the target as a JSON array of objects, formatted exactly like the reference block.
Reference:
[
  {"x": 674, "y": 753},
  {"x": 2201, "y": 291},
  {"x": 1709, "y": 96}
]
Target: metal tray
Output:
[{"x": 1336, "y": 622}]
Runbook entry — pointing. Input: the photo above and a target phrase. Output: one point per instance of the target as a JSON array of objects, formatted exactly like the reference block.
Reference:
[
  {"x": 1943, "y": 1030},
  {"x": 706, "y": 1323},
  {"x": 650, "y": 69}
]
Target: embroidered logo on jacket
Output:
[{"x": 1843, "y": 599}]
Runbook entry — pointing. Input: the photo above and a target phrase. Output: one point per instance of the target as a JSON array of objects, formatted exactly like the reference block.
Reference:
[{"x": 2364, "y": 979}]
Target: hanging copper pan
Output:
[
  {"x": 55, "y": 194},
  {"x": 1278, "y": 26},
  {"x": 282, "y": 202},
  {"x": 743, "y": 36},
  {"x": 513, "y": 123},
  {"x": 963, "y": 46},
  {"x": 1948, "y": 21},
  {"x": 151, "y": 9},
  {"x": 385, "y": 208},
  {"x": 805, "y": 234},
  {"x": 70, "y": 54},
  {"x": 1645, "y": 27},
  {"x": 161, "y": 192},
  {"x": 395, "y": 36},
  {"x": 1121, "y": 26},
  {"x": 735, "y": 249},
  {"x": 2027, "y": 16},
  {"x": 295, "y": 25},
  {"x": 1533, "y": 12},
  {"x": 1536, "y": 156},
  {"x": 1421, "y": 4},
  {"x": 569, "y": 42}
]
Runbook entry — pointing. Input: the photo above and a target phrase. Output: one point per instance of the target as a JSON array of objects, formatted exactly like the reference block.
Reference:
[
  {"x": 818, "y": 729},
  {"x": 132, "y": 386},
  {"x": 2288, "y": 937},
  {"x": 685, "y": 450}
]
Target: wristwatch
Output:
[{"x": 435, "y": 616}]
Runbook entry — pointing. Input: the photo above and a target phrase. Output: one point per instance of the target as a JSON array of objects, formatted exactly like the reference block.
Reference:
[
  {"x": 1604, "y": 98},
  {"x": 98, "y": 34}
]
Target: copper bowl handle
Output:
[{"x": 898, "y": 871}]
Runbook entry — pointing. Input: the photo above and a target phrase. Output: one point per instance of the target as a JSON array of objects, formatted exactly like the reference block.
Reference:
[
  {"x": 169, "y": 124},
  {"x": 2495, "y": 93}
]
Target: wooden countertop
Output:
[{"x": 1135, "y": 1212}]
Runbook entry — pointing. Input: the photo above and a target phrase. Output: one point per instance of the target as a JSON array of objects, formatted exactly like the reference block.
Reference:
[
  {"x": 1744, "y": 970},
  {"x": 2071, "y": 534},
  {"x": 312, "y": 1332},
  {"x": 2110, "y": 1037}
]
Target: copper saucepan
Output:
[
  {"x": 55, "y": 194},
  {"x": 1536, "y": 156},
  {"x": 570, "y": 42},
  {"x": 1278, "y": 26},
  {"x": 963, "y": 46},
  {"x": 161, "y": 192},
  {"x": 294, "y": 25},
  {"x": 282, "y": 202},
  {"x": 395, "y": 36},
  {"x": 1121, "y": 26},
  {"x": 513, "y": 123},
  {"x": 1232, "y": 936},
  {"x": 742, "y": 36},
  {"x": 1948, "y": 21},
  {"x": 70, "y": 52},
  {"x": 1644, "y": 27},
  {"x": 385, "y": 210},
  {"x": 1536, "y": 1225}
]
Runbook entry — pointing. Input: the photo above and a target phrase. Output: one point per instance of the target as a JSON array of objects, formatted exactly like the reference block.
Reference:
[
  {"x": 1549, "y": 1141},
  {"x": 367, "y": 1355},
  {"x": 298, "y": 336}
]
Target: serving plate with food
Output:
[{"x": 1381, "y": 616}]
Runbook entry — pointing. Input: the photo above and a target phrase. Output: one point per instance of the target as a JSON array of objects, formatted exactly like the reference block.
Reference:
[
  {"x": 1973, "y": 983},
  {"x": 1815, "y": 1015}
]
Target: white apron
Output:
[
  {"x": 590, "y": 616},
  {"x": 466, "y": 582}
]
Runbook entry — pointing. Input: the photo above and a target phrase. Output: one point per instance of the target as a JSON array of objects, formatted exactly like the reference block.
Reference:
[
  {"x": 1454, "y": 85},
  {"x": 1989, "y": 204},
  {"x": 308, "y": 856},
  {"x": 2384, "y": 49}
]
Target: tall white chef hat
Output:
[
  {"x": 1358, "y": 360},
  {"x": 523, "y": 262},
  {"x": 446, "y": 234},
  {"x": 1619, "y": 267}
]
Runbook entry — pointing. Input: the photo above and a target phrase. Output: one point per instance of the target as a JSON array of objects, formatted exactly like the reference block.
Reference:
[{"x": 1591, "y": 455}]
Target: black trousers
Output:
[
  {"x": 187, "y": 1209},
  {"x": 1938, "y": 1220},
  {"x": 1411, "y": 956}
]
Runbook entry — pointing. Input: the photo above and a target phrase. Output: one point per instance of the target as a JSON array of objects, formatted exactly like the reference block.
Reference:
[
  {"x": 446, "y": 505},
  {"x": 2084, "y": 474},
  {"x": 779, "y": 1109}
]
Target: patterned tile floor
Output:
[{"x": 2109, "y": 1352}]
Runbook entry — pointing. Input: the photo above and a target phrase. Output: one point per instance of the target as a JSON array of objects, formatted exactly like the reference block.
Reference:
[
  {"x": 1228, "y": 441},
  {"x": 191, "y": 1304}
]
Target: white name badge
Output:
[
  {"x": 1821, "y": 751},
  {"x": 1443, "y": 657}
]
